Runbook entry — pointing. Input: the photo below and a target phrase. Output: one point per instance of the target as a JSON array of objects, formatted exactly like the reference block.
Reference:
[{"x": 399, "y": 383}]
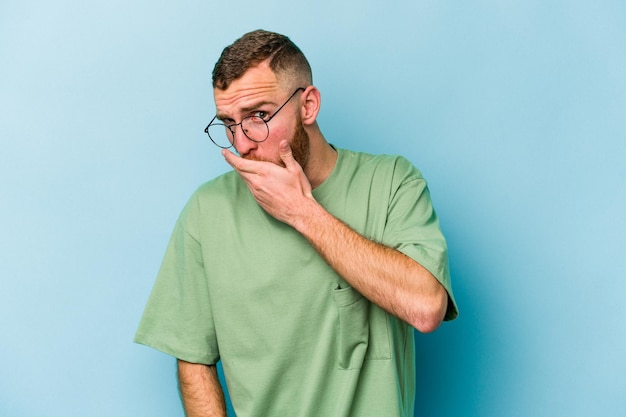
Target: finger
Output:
[
  {"x": 238, "y": 163},
  {"x": 229, "y": 157},
  {"x": 286, "y": 155}
]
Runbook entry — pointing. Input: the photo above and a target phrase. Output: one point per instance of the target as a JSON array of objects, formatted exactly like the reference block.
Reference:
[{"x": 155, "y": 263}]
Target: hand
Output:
[{"x": 282, "y": 192}]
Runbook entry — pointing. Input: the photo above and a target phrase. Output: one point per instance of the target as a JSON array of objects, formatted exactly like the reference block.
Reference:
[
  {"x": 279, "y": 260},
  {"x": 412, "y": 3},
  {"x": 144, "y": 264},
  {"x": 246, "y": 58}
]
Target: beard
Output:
[{"x": 300, "y": 148}]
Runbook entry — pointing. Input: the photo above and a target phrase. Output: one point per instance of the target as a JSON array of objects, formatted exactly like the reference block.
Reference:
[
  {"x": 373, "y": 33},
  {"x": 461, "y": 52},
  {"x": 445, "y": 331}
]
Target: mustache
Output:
[{"x": 254, "y": 158}]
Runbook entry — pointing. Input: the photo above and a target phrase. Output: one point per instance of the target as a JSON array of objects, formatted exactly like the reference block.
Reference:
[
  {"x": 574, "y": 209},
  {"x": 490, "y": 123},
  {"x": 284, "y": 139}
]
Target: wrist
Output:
[{"x": 309, "y": 217}]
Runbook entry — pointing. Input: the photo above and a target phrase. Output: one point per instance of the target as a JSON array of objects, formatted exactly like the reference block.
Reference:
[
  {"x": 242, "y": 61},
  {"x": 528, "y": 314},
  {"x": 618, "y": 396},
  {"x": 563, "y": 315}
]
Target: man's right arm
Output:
[{"x": 200, "y": 390}]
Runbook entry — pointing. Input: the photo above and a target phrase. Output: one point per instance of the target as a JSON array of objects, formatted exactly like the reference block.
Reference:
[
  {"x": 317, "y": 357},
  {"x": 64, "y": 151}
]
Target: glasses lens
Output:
[
  {"x": 220, "y": 135},
  {"x": 255, "y": 128}
]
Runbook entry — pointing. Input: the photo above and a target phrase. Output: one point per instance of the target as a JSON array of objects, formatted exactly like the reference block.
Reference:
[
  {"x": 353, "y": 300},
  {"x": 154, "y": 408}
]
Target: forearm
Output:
[
  {"x": 200, "y": 390},
  {"x": 385, "y": 276}
]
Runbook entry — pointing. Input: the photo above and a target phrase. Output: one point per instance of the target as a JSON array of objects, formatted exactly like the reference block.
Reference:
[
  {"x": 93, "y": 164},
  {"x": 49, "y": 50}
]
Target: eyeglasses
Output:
[{"x": 253, "y": 127}]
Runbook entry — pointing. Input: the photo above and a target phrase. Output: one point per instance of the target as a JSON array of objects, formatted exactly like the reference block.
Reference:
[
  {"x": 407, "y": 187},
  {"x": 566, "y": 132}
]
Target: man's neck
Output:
[{"x": 322, "y": 160}]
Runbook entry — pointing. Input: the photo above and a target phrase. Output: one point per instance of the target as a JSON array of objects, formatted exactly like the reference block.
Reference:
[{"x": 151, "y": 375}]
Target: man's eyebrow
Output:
[{"x": 246, "y": 109}]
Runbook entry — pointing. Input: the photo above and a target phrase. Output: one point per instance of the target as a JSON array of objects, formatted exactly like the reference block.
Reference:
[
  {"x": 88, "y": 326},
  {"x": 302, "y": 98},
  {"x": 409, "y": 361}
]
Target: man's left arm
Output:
[{"x": 385, "y": 276}]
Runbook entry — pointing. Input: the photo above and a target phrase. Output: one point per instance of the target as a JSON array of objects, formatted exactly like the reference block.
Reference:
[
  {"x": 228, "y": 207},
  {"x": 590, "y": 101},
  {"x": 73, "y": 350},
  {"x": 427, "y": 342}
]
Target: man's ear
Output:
[{"x": 311, "y": 101}]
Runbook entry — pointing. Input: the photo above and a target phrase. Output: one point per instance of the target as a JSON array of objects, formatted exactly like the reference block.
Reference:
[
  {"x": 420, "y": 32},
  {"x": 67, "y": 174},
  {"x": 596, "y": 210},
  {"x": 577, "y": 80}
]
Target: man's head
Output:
[
  {"x": 285, "y": 59},
  {"x": 254, "y": 77}
]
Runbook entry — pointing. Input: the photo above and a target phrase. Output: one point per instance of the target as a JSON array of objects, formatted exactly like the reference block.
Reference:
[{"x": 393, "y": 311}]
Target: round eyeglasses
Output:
[{"x": 253, "y": 127}]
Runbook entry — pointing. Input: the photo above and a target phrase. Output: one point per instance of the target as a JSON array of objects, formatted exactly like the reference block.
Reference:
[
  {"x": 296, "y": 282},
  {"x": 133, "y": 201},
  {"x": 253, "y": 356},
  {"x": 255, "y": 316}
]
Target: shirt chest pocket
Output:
[{"x": 362, "y": 330}]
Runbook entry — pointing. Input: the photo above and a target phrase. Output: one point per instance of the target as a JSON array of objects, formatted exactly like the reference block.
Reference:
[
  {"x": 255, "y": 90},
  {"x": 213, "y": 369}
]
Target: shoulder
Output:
[
  {"x": 218, "y": 186},
  {"x": 219, "y": 190},
  {"x": 216, "y": 194},
  {"x": 396, "y": 168}
]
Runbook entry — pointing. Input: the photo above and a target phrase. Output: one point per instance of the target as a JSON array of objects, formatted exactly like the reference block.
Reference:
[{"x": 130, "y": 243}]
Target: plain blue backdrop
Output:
[{"x": 515, "y": 112}]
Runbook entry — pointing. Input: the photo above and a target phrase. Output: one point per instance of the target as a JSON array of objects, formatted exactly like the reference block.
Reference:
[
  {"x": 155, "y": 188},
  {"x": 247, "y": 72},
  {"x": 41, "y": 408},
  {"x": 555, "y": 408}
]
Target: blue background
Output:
[{"x": 514, "y": 111}]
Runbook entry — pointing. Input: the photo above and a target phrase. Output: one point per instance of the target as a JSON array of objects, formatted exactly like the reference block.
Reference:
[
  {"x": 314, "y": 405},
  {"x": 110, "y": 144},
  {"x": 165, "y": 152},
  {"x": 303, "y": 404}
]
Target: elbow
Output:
[
  {"x": 427, "y": 326},
  {"x": 429, "y": 314}
]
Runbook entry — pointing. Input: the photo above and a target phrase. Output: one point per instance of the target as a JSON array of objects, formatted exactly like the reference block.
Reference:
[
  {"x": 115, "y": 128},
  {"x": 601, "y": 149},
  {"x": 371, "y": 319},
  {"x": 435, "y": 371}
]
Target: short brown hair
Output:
[{"x": 285, "y": 58}]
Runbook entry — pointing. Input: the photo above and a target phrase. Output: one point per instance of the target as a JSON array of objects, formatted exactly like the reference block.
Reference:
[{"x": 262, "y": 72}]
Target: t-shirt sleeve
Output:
[
  {"x": 177, "y": 319},
  {"x": 413, "y": 227}
]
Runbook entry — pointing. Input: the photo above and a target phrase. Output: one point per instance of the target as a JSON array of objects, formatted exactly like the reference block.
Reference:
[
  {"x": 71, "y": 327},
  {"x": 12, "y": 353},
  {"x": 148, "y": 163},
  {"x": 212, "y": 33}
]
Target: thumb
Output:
[{"x": 285, "y": 153}]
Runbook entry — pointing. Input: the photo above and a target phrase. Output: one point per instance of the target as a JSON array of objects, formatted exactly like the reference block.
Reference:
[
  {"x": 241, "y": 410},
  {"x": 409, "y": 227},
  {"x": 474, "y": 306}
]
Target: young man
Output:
[{"x": 306, "y": 268}]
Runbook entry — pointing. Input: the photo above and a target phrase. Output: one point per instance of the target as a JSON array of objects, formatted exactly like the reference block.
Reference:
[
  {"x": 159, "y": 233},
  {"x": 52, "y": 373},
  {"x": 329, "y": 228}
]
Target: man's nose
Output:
[{"x": 241, "y": 142}]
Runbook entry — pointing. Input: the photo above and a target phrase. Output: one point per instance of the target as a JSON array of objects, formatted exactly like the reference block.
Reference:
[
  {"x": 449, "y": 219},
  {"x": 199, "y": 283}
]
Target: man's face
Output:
[{"x": 258, "y": 92}]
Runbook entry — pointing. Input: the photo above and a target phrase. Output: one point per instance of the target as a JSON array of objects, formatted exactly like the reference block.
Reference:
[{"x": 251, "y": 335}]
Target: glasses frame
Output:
[{"x": 232, "y": 126}]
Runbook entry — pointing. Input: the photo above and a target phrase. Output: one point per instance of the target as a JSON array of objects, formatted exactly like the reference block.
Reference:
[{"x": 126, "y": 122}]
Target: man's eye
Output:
[{"x": 260, "y": 114}]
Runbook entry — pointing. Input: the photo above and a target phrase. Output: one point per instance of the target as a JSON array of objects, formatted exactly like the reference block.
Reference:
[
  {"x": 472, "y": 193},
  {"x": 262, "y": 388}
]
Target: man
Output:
[{"x": 306, "y": 268}]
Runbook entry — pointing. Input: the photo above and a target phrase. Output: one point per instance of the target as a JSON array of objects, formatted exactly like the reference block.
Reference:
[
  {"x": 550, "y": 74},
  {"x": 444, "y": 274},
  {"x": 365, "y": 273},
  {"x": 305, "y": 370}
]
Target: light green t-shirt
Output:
[{"x": 294, "y": 338}]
